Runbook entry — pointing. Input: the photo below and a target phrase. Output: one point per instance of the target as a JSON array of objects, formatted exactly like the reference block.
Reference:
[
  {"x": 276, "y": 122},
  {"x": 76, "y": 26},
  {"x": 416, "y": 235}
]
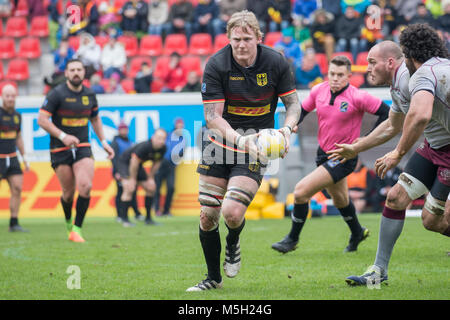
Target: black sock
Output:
[
  {"x": 67, "y": 207},
  {"x": 233, "y": 234},
  {"x": 124, "y": 205},
  {"x": 210, "y": 241},
  {"x": 13, "y": 222},
  {"x": 298, "y": 217},
  {"x": 81, "y": 207},
  {"x": 349, "y": 215},
  {"x": 148, "y": 207}
]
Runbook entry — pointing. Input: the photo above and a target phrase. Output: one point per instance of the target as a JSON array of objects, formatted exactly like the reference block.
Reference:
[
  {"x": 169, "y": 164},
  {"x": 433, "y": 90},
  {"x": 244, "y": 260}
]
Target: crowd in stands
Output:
[{"x": 107, "y": 35}]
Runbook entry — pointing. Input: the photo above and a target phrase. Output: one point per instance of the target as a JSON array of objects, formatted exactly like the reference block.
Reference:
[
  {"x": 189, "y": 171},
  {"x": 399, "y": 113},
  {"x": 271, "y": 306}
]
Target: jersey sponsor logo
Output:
[
  {"x": 8, "y": 134},
  {"x": 249, "y": 111},
  {"x": 253, "y": 167},
  {"x": 343, "y": 107},
  {"x": 203, "y": 166},
  {"x": 74, "y": 122},
  {"x": 85, "y": 100},
  {"x": 261, "y": 79},
  {"x": 6, "y": 118},
  {"x": 237, "y": 78},
  {"x": 71, "y": 100}
]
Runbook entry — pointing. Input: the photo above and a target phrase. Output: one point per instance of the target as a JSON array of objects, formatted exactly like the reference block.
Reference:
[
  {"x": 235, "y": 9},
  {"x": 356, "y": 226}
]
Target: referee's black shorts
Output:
[{"x": 337, "y": 170}]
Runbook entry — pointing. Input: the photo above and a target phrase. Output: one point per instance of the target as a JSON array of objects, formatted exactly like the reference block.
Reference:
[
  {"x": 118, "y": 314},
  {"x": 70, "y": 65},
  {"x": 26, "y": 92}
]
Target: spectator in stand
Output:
[
  {"x": 227, "y": 8},
  {"x": 158, "y": 12},
  {"x": 279, "y": 14},
  {"x": 443, "y": 23},
  {"x": 389, "y": 16},
  {"x": 175, "y": 78},
  {"x": 108, "y": 20},
  {"x": 260, "y": 9},
  {"x": 113, "y": 57},
  {"x": 423, "y": 16},
  {"x": 89, "y": 53},
  {"x": 301, "y": 32},
  {"x": 332, "y": 6},
  {"x": 36, "y": 9},
  {"x": 54, "y": 24},
  {"x": 322, "y": 30},
  {"x": 175, "y": 143},
  {"x": 360, "y": 6},
  {"x": 114, "y": 85},
  {"x": 60, "y": 57},
  {"x": 134, "y": 18},
  {"x": 204, "y": 14},
  {"x": 436, "y": 7},
  {"x": 95, "y": 82},
  {"x": 5, "y": 8},
  {"x": 308, "y": 74},
  {"x": 348, "y": 32},
  {"x": 180, "y": 18},
  {"x": 193, "y": 83},
  {"x": 89, "y": 18},
  {"x": 304, "y": 8},
  {"x": 290, "y": 47},
  {"x": 143, "y": 79},
  {"x": 406, "y": 10}
]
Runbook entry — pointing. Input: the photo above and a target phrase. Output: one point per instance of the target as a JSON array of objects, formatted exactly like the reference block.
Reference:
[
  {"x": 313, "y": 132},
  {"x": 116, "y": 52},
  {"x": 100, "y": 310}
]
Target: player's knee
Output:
[
  {"x": 84, "y": 188},
  {"x": 300, "y": 194},
  {"x": 16, "y": 190},
  {"x": 233, "y": 216},
  {"x": 397, "y": 198},
  {"x": 209, "y": 218}
]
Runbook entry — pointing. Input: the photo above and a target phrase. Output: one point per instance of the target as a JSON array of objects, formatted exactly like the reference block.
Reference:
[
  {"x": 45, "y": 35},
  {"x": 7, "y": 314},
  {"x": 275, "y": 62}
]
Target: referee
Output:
[{"x": 65, "y": 115}]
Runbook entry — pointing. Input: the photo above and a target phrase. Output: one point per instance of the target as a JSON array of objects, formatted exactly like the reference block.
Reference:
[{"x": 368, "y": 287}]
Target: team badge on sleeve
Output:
[{"x": 203, "y": 87}]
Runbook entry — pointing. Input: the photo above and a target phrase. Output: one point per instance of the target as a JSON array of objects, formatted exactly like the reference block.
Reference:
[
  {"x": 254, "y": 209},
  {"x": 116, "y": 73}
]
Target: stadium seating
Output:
[
  {"x": 201, "y": 44},
  {"x": 2, "y": 76},
  {"x": 322, "y": 61},
  {"x": 74, "y": 42},
  {"x": 7, "y": 48},
  {"x": 151, "y": 45},
  {"x": 357, "y": 79},
  {"x": 128, "y": 85},
  {"x": 192, "y": 63},
  {"x": 135, "y": 65},
  {"x": 161, "y": 66},
  {"x": 16, "y": 27},
  {"x": 175, "y": 43},
  {"x": 156, "y": 86},
  {"x": 118, "y": 4},
  {"x": 101, "y": 40},
  {"x": 1, "y": 29},
  {"x": 343, "y": 53},
  {"x": 39, "y": 27},
  {"x": 131, "y": 45},
  {"x": 18, "y": 70},
  {"x": 22, "y": 9},
  {"x": 29, "y": 48},
  {"x": 271, "y": 38},
  {"x": 220, "y": 41},
  {"x": 361, "y": 58}
]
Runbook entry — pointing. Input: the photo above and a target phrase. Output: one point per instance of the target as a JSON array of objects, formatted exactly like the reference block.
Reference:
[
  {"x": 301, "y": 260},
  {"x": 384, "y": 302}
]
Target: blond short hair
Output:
[{"x": 244, "y": 19}]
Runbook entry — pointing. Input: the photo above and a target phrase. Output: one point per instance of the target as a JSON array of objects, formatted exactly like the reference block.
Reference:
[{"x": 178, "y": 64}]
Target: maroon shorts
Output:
[{"x": 439, "y": 157}]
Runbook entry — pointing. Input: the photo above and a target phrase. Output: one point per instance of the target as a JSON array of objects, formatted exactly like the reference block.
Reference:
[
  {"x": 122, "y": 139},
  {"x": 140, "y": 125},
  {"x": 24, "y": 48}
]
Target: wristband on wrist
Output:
[
  {"x": 289, "y": 127},
  {"x": 104, "y": 141},
  {"x": 62, "y": 135}
]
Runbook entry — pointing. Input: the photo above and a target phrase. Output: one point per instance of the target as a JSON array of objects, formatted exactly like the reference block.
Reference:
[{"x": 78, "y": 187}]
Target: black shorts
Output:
[
  {"x": 337, "y": 170},
  {"x": 427, "y": 172},
  {"x": 9, "y": 167},
  {"x": 223, "y": 163},
  {"x": 124, "y": 171},
  {"x": 69, "y": 157}
]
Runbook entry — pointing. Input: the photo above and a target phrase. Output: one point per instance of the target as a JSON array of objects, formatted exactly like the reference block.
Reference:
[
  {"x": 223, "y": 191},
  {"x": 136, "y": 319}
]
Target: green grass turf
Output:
[{"x": 160, "y": 262}]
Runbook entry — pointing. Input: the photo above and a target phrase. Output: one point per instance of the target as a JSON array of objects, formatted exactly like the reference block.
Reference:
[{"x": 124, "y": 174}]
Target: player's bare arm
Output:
[
  {"x": 293, "y": 110},
  {"x": 20, "y": 145},
  {"x": 98, "y": 129},
  {"x": 381, "y": 134},
  {"x": 45, "y": 123}
]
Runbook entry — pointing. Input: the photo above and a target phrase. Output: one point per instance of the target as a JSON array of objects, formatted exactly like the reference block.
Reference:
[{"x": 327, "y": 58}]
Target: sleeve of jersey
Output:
[
  {"x": 309, "y": 104},
  {"x": 422, "y": 80},
  {"x": 212, "y": 90},
  {"x": 286, "y": 82},
  {"x": 19, "y": 127},
  {"x": 94, "y": 111},
  {"x": 50, "y": 103},
  {"x": 142, "y": 151},
  {"x": 368, "y": 102}
]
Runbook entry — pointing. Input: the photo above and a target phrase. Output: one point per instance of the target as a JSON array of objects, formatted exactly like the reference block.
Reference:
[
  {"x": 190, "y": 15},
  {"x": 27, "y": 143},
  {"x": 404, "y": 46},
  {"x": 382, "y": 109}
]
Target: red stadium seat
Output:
[
  {"x": 201, "y": 44},
  {"x": 16, "y": 27},
  {"x": 39, "y": 27},
  {"x": 271, "y": 38},
  {"x": 322, "y": 61},
  {"x": 1, "y": 29},
  {"x": 344, "y": 53},
  {"x": 22, "y": 9},
  {"x": 1, "y": 72},
  {"x": 18, "y": 70},
  {"x": 29, "y": 48},
  {"x": 135, "y": 65},
  {"x": 357, "y": 79},
  {"x": 131, "y": 45},
  {"x": 118, "y": 4},
  {"x": 7, "y": 48},
  {"x": 128, "y": 85},
  {"x": 105, "y": 84},
  {"x": 220, "y": 41},
  {"x": 74, "y": 42},
  {"x": 86, "y": 83},
  {"x": 101, "y": 40},
  {"x": 161, "y": 66},
  {"x": 151, "y": 45},
  {"x": 156, "y": 86},
  {"x": 192, "y": 63},
  {"x": 175, "y": 43},
  {"x": 361, "y": 58}
]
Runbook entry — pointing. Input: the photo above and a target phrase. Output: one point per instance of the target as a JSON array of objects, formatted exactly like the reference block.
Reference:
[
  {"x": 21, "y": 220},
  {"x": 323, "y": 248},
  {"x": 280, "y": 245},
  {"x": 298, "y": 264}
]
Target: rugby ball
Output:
[{"x": 271, "y": 143}]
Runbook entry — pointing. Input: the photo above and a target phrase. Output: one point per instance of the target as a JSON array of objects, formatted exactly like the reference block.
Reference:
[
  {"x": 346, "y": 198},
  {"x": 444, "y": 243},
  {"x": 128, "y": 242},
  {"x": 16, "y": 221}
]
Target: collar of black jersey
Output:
[{"x": 334, "y": 95}]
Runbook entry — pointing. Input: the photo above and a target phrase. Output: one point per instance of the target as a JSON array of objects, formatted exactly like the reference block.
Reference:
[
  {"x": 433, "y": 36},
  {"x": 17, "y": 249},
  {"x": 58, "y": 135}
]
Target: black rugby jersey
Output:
[
  {"x": 70, "y": 112},
  {"x": 9, "y": 129},
  {"x": 250, "y": 94},
  {"x": 144, "y": 151}
]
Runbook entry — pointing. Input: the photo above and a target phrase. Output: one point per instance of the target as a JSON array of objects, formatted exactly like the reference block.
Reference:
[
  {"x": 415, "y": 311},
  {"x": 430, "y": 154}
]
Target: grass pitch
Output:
[{"x": 160, "y": 262}]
